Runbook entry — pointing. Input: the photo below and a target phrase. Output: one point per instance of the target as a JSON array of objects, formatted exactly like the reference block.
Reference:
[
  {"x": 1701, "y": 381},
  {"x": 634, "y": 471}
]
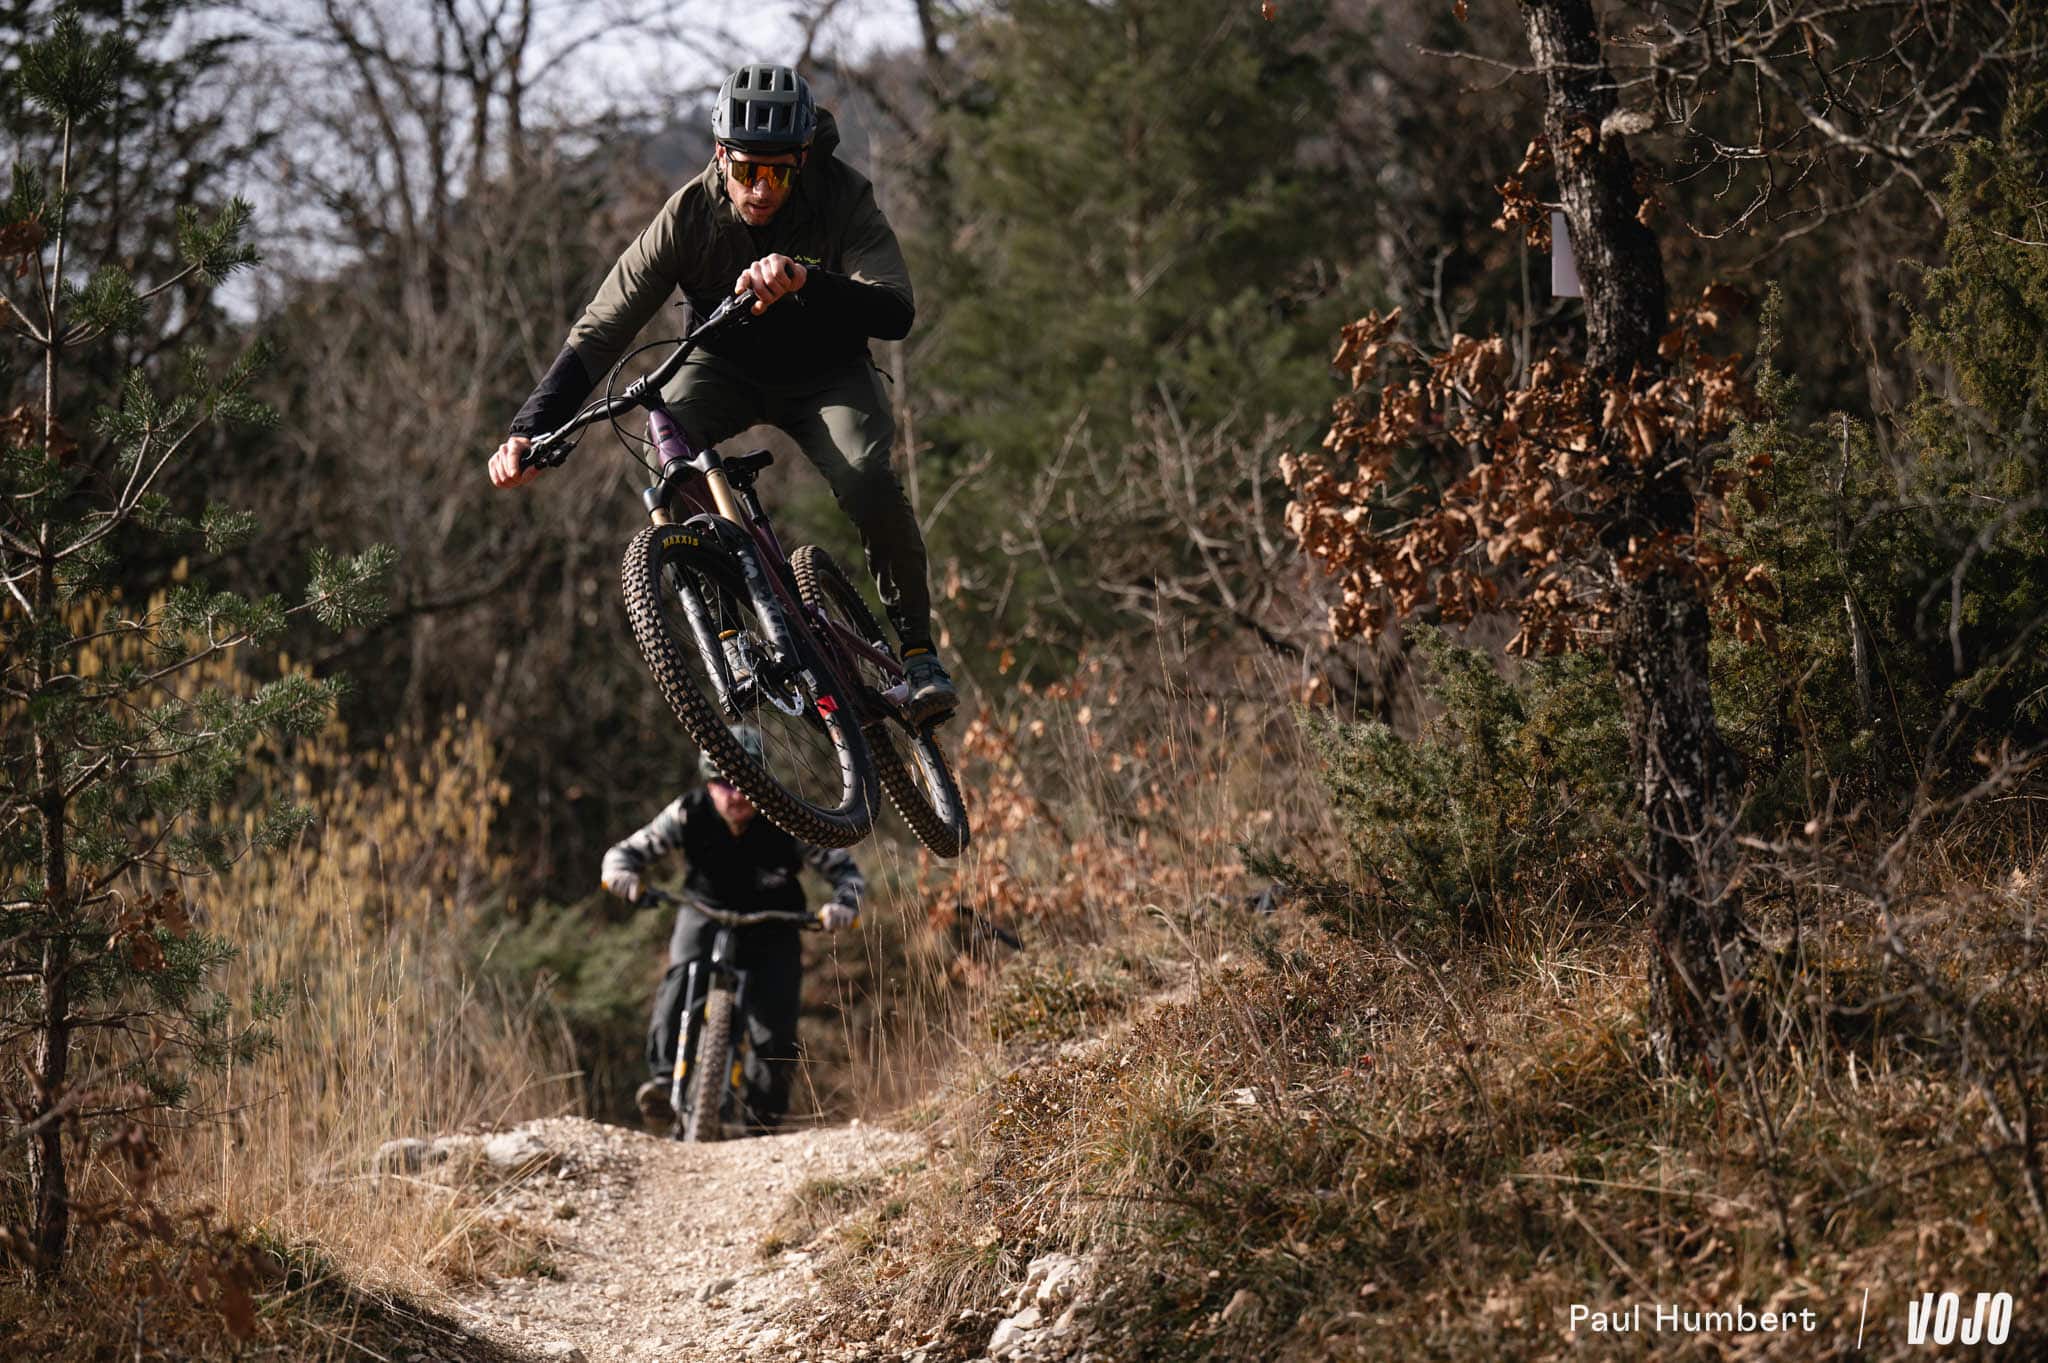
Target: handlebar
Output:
[
  {"x": 549, "y": 450},
  {"x": 807, "y": 920}
]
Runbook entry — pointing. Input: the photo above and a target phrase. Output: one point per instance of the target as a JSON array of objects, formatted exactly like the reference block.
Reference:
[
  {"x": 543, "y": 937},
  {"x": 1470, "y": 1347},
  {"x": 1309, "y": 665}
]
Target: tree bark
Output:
[
  {"x": 49, "y": 1179},
  {"x": 1685, "y": 775}
]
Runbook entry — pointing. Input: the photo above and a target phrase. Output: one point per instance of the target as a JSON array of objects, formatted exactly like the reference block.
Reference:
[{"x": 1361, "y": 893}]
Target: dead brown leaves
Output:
[
  {"x": 19, "y": 242},
  {"x": 22, "y": 429},
  {"x": 141, "y": 920},
  {"x": 1447, "y": 482},
  {"x": 1521, "y": 210},
  {"x": 176, "y": 1260},
  {"x": 1045, "y": 857}
]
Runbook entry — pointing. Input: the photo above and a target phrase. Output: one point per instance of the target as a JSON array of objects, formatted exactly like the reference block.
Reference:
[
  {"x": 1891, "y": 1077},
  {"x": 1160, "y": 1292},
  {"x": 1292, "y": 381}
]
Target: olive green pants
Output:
[{"x": 840, "y": 419}]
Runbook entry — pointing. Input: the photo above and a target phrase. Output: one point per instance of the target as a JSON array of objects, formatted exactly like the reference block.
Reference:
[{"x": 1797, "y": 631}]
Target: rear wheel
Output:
[
  {"x": 722, "y": 661},
  {"x": 922, "y": 788},
  {"x": 710, "y": 1080}
]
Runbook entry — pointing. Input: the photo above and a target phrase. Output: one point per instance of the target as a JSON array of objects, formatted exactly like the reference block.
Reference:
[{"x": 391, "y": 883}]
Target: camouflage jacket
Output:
[{"x": 755, "y": 869}]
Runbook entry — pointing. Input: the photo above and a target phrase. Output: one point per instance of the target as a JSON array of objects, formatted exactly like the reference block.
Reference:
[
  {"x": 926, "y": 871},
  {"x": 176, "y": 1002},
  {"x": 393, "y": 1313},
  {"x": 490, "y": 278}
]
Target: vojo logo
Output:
[{"x": 1939, "y": 1319}]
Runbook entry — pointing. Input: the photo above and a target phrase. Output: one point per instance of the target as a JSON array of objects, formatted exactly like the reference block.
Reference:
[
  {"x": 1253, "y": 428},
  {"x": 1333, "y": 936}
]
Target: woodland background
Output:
[{"x": 1369, "y": 844}]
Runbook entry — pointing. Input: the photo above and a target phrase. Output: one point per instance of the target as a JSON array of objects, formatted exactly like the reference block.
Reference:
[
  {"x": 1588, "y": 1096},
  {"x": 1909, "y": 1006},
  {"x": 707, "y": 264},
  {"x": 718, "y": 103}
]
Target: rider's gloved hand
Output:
[
  {"x": 836, "y": 915},
  {"x": 505, "y": 470},
  {"x": 624, "y": 884}
]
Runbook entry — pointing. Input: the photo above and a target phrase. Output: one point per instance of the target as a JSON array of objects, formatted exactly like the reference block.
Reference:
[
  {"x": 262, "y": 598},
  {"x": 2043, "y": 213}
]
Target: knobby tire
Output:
[
  {"x": 666, "y": 643},
  {"x": 937, "y": 817},
  {"x": 713, "y": 1076}
]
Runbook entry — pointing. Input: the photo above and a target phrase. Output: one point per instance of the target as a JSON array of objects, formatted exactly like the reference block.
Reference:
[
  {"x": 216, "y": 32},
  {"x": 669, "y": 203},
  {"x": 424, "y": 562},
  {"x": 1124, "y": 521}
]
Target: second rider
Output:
[{"x": 775, "y": 212}]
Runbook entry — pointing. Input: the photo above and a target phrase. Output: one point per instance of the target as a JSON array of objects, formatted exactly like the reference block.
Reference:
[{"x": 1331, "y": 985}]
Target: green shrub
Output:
[
  {"x": 603, "y": 975},
  {"x": 1512, "y": 797},
  {"x": 1907, "y": 561},
  {"x": 1808, "y": 704}
]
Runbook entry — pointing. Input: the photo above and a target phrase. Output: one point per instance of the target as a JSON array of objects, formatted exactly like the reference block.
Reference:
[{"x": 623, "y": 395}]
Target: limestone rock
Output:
[
  {"x": 1243, "y": 1302},
  {"x": 1044, "y": 1308},
  {"x": 401, "y": 1157},
  {"x": 519, "y": 1152},
  {"x": 1011, "y": 1331}
]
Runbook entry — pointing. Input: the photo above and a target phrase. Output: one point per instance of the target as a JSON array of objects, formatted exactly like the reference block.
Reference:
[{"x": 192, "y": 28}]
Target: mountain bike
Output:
[
  {"x": 708, "y": 1091},
  {"x": 737, "y": 632}
]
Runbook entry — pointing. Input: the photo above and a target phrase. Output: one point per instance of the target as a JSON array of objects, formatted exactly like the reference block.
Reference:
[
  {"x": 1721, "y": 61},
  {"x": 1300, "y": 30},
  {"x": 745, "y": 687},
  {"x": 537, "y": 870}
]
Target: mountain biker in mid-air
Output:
[
  {"x": 775, "y": 212},
  {"x": 738, "y": 863}
]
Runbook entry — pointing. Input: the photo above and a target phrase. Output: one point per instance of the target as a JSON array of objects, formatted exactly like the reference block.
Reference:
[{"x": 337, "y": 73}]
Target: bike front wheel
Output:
[
  {"x": 922, "y": 788},
  {"x": 722, "y": 660},
  {"x": 712, "y": 1079}
]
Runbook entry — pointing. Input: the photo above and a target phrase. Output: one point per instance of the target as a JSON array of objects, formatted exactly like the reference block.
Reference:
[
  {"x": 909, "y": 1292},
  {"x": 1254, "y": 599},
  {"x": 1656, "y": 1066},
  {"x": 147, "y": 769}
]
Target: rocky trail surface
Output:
[{"x": 654, "y": 1249}]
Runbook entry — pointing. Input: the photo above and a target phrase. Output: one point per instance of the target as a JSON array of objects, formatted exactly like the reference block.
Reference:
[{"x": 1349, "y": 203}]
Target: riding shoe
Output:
[
  {"x": 932, "y": 697},
  {"x": 652, "y": 1099}
]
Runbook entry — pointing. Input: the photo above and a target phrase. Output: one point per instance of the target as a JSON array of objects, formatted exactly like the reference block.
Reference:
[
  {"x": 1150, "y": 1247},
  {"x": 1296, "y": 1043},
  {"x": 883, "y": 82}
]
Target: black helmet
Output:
[{"x": 765, "y": 109}]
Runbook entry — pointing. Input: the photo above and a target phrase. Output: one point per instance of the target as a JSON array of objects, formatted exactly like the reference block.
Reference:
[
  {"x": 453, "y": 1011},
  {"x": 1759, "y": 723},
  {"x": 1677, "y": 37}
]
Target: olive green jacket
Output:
[{"x": 857, "y": 284}]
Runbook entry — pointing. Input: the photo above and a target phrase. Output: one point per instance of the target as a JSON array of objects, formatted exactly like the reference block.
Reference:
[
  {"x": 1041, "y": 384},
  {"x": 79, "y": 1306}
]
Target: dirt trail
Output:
[{"x": 656, "y": 1245}]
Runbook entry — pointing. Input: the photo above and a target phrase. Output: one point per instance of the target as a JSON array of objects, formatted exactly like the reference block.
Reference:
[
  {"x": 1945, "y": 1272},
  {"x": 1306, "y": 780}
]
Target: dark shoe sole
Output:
[{"x": 654, "y": 1109}]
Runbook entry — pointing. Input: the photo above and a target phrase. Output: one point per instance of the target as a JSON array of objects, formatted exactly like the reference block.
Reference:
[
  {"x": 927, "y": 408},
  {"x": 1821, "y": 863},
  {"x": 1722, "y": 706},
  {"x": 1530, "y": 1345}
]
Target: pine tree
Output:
[
  {"x": 118, "y": 774},
  {"x": 1146, "y": 198}
]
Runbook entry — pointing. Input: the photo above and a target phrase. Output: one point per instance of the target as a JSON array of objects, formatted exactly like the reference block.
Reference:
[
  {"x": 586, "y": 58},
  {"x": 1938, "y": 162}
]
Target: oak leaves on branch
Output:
[{"x": 1452, "y": 483}]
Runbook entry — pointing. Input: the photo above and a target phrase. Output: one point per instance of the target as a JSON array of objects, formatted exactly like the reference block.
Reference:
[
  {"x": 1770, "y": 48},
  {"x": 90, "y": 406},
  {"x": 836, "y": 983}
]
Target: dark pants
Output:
[
  {"x": 840, "y": 418},
  {"x": 771, "y": 956}
]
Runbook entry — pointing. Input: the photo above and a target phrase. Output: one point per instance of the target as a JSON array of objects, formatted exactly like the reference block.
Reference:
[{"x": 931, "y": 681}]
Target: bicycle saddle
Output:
[{"x": 742, "y": 470}]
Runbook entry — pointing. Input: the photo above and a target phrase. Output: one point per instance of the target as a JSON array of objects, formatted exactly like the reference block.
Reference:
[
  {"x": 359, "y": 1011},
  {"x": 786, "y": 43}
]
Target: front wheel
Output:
[
  {"x": 922, "y": 789},
  {"x": 712, "y": 1077},
  {"x": 724, "y": 660}
]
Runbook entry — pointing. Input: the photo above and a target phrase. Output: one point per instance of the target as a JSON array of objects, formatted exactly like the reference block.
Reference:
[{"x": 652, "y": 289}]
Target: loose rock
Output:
[
  {"x": 519, "y": 1152},
  {"x": 401, "y": 1157}
]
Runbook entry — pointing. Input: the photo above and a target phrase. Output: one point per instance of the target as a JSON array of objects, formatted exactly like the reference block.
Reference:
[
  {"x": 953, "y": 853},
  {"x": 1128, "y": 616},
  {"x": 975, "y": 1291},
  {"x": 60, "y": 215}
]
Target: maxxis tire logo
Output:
[{"x": 1937, "y": 1318}]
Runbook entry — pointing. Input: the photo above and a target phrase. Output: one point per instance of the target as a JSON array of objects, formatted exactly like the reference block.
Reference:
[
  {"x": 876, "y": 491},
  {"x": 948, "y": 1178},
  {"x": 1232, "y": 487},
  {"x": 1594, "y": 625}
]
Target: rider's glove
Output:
[
  {"x": 624, "y": 884},
  {"x": 836, "y": 915}
]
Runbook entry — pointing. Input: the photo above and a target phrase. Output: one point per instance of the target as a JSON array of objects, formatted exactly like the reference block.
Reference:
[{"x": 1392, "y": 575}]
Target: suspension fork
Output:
[
  {"x": 775, "y": 600},
  {"x": 676, "y": 455},
  {"x": 721, "y": 951},
  {"x": 686, "y": 1044}
]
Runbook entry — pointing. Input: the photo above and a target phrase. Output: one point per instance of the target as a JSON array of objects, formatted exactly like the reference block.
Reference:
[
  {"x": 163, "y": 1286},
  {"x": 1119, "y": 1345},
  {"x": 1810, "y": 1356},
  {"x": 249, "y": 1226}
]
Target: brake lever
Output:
[{"x": 545, "y": 454}]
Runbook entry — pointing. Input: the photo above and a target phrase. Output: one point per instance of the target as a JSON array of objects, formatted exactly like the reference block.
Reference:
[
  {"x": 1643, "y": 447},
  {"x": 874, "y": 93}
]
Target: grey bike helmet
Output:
[
  {"x": 749, "y": 739},
  {"x": 765, "y": 110}
]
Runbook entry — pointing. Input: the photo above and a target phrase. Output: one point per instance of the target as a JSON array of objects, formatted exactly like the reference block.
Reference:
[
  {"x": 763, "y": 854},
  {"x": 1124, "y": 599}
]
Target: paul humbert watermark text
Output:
[
  {"x": 1933, "y": 1319},
  {"x": 1668, "y": 1318}
]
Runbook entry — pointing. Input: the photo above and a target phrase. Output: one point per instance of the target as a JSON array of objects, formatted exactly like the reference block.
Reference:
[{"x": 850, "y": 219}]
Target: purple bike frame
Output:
[{"x": 674, "y": 450}]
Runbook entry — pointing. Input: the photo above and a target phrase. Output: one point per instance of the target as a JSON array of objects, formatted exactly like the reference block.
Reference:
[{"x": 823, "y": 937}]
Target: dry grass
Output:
[
  {"x": 1402, "y": 1147},
  {"x": 1101, "y": 806},
  {"x": 367, "y": 931},
  {"x": 369, "y": 926}
]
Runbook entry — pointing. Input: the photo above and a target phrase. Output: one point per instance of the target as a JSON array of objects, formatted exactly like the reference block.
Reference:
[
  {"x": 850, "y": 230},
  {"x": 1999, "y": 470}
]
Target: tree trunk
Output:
[
  {"x": 1685, "y": 776},
  {"x": 49, "y": 1181}
]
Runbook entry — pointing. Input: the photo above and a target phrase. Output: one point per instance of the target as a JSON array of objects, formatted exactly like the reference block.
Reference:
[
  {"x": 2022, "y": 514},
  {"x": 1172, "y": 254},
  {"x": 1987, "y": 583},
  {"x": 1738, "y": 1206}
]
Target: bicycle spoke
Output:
[{"x": 756, "y": 684}]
